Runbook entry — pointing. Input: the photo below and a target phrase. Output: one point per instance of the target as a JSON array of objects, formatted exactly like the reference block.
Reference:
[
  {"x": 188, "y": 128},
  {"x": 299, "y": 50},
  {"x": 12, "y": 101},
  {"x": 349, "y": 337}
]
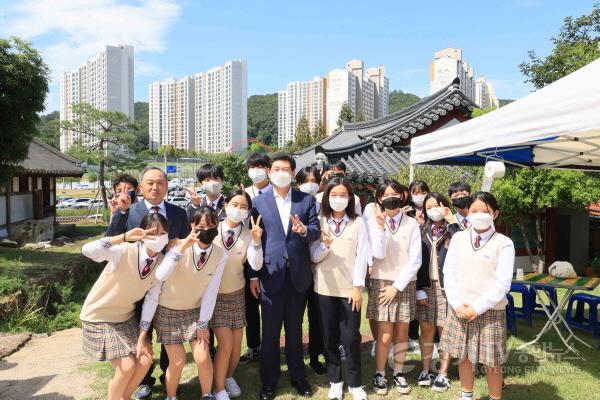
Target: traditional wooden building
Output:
[
  {"x": 378, "y": 148},
  {"x": 28, "y": 200}
]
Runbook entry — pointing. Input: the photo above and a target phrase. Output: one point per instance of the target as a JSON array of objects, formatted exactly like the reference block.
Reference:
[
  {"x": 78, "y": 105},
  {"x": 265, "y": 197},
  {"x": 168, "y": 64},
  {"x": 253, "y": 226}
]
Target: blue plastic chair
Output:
[
  {"x": 525, "y": 311},
  {"x": 511, "y": 317},
  {"x": 536, "y": 308},
  {"x": 577, "y": 320}
]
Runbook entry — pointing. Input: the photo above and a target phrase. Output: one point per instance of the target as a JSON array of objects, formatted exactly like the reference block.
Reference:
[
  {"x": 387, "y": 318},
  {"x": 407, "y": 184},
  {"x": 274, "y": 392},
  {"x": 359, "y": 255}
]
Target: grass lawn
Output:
[{"x": 543, "y": 372}]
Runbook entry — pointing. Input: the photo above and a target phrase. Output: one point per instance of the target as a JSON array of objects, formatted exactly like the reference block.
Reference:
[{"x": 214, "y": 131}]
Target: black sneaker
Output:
[
  {"x": 441, "y": 384},
  {"x": 380, "y": 384},
  {"x": 249, "y": 355},
  {"x": 426, "y": 378},
  {"x": 342, "y": 353},
  {"x": 208, "y": 397},
  {"x": 401, "y": 385}
]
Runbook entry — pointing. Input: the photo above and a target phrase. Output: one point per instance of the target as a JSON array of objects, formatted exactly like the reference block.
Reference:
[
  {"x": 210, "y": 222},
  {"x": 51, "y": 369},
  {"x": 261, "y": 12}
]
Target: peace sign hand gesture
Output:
[
  {"x": 138, "y": 234},
  {"x": 194, "y": 197},
  {"x": 256, "y": 229},
  {"x": 379, "y": 217},
  {"x": 188, "y": 241},
  {"x": 297, "y": 225},
  {"x": 326, "y": 237}
]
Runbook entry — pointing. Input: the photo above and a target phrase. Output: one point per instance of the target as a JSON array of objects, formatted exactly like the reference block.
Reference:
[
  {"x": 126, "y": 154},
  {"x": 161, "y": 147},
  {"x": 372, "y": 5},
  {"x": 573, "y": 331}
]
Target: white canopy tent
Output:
[{"x": 557, "y": 126}]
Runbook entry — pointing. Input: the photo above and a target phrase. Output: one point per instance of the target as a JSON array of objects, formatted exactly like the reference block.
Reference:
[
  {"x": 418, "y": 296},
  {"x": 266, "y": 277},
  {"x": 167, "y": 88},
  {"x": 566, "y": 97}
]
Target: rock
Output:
[
  {"x": 8, "y": 243},
  {"x": 35, "y": 246},
  {"x": 9, "y": 343}
]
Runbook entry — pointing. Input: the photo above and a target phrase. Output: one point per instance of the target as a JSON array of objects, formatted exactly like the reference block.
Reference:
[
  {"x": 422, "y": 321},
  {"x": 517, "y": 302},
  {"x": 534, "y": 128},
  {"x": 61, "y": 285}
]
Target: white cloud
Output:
[{"x": 68, "y": 32}]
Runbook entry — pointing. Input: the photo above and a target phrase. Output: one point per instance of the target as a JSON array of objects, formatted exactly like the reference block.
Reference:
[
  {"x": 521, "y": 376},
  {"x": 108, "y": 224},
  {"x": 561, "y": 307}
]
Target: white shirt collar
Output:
[
  {"x": 278, "y": 196},
  {"x": 485, "y": 235},
  {"x": 215, "y": 202},
  {"x": 161, "y": 206},
  {"x": 396, "y": 217},
  {"x": 198, "y": 250},
  {"x": 256, "y": 190},
  {"x": 225, "y": 227},
  {"x": 344, "y": 219}
]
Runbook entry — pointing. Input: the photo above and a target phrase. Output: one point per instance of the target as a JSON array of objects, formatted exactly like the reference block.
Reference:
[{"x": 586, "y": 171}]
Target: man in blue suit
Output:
[
  {"x": 290, "y": 224},
  {"x": 154, "y": 186}
]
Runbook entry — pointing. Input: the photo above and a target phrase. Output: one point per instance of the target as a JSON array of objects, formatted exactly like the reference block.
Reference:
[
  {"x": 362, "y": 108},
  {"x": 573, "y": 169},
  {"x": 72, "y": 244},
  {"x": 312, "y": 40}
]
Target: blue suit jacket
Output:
[
  {"x": 179, "y": 228},
  {"x": 279, "y": 247}
]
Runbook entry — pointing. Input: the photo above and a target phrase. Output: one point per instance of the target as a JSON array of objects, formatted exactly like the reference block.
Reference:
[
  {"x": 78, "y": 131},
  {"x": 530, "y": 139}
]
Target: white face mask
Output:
[
  {"x": 418, "y": 199},
  {"x": 310, "y": 188},
  {"x": 281, "y": 179},
  {"x": 257, "y": 175},
  {"x": 158, "y": 243},
  {"x": 338, "y": 203},
  {"x": 212, "y": 187},
  {"x": 481, "y": 220},
  {"x": 435, "y": 214},
  {"x": 236, "y": 214}
]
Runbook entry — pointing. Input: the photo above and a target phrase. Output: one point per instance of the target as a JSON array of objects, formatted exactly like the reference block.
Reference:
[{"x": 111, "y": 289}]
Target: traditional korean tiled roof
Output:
[{"x": 44, "y": 159}]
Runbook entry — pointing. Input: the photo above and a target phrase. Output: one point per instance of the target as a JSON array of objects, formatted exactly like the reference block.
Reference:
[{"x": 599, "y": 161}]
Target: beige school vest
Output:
[
  {"x": 396, "y": 255},
  {"x": 477, "y": 268},
  {"x": 333, "y": 276},
  {"x": 184, "y": 289},
  {"x": 233, "y": 274},
  {"x": 113, "y": 296},
  {"x": 434, "y": 272}
]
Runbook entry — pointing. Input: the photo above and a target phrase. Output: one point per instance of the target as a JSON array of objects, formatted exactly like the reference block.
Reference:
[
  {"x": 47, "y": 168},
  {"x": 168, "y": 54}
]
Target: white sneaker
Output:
[
  {"x": 232, "y": 387},
  {"x": 336, "y": 391},
  {"x": 358, "y": 393},
  {"x": 373, "y": 348},
  {"x": 414, "y": 346},
  {"x": 222, "y": 395}
]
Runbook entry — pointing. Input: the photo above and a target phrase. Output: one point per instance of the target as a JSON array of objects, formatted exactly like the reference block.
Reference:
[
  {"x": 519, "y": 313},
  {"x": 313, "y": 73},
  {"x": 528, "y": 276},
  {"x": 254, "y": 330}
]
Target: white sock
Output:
[
  {"x": 380, "y": 372},
  {"x": 397, "y": 371}
]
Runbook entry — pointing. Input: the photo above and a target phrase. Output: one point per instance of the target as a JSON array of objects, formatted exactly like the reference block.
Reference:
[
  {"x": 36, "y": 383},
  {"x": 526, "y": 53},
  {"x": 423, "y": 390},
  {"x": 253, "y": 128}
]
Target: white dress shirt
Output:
[
  {"x": 379, "y": 249},
  {"x": 461, "y": 220},
  {"x": 257, "y": 192},
  {"x": 162, "y": 209},
  {"x": 318, "y": 251},
  {"x": 254, "y": 252},
  {"x": 284, "y": 207},
  {"x": 504, "y": 273},
  {"x": 163, "y": 273}
]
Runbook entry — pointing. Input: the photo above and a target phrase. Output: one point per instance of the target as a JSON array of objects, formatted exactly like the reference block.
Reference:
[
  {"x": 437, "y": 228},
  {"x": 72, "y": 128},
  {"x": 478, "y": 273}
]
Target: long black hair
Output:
[
  {"x": 326, "y": 210},
  {"x": 399, "y": 188}
]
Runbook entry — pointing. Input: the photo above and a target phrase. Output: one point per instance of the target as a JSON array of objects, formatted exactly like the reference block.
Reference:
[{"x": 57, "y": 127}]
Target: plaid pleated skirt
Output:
[
  {"x": 482, "y": 340},
  {"x": 230, "y": 310},
  {"x": 175, "y": 326},
  {"x": 436, "y": 310},
  {"x": 106, "y": 341},
  {"x": 401, "y": 309}
]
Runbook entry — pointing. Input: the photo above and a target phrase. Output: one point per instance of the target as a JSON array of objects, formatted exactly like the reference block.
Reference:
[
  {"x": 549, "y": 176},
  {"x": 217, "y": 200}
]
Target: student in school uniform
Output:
[
  {"x": 340, "y": 270},
  {"x": 392, "y": 291},
  {"x": 211, "y": 177},
  {"x": 109, "y": 326},
  {"x": 432, "y": 305},
  {"x": 308, "y": 180},
  {"x": 335, "y": 169},
  {"x": 477, "y": 275},
  {"x": 460, "y": 196},
  {"x": 191, "y": 275},
  {"x": 258, "y": 165},
  {"x": 242, "y": 243}
]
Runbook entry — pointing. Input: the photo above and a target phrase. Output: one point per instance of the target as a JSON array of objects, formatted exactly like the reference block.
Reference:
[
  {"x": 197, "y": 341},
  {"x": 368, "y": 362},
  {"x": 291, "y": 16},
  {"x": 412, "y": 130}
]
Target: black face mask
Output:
[
  {"x": 207, "y": 236},
  {"x": 461, "y": 202},
  {"x": 392, "y": 203}
]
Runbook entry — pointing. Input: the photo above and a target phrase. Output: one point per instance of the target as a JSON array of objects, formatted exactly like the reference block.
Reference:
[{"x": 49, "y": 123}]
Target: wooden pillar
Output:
[{"x": 8, "y": 219}]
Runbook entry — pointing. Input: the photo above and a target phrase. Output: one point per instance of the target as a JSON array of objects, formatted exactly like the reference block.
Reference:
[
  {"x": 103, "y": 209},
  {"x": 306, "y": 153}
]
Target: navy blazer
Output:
[
  {"x": 221, "y": 214},
  {"x": 179, "y": 228},
  {"x": 423, "y": 278},
  {"x": 283, "y": 251}
]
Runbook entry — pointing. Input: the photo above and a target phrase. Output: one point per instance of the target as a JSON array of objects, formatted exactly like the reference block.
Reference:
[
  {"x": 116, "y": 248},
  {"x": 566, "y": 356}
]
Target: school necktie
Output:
[
  {"x": 337, "y": 226},
  {"x": 438, "y": 231},
  {"x": 154, "y": 209},
  {"x": 146, "y": 269},
  {"x": 229, "y": 240},
  {"x": 466, "y": 223},
  {"x": 259, "y": 192},
  {"x": 202, "y": 258},
  {"x": 477, "y": 241},
  {"x": 392, "y": 224}
]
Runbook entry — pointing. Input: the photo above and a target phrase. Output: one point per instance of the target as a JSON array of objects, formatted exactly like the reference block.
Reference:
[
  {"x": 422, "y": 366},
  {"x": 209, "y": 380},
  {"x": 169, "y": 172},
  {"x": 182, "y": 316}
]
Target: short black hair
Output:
[
  {"x": 303, "y": 174},
  {"x": 284, "y": 157},
  {"x": 418, "y": 185},
  {"x": 153, "y": 219},
  {"x": 239, "y": 192},
  {"x": 210, "y": 171},
  {"x": 487, "y": 198},
  {"x": 337, "y": 164},
  {"x": 204, "y": 212},
  {"x": 257, "y": 160},
  {"x": 394, "y": 184},
  {"x": 124, "y": 178},
  {"x": 326, "y": 210},
  {"x": 458, "y": 187}
]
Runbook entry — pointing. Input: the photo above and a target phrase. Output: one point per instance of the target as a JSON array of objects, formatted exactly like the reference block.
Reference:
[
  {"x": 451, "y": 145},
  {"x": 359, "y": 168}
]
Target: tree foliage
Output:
[
  {"x": 141, "y": 118},
  {"x": 234, "y": 168},
  {"x": 262, "y": 118},
  {"x": 23, "y": 89},
  {"x": 575, "y": 46},
  {"x": 49, "y": 129},
  {"x": 398, "y": 100},
  {"x": 346, "y": 115},
  {"x": 303, "y": 136}
]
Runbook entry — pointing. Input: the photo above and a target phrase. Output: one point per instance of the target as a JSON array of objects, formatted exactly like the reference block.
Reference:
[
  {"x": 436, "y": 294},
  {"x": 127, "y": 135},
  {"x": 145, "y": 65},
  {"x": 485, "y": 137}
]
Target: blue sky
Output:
[{"x": 285, "y": 41}]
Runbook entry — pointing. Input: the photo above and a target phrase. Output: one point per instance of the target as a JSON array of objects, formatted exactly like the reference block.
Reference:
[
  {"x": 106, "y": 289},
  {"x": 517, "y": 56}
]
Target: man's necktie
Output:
[{"x": 154, "y": 209}]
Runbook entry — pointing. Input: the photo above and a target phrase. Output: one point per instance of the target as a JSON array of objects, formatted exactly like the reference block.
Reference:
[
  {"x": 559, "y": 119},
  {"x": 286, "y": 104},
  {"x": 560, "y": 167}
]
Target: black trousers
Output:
[
  {"x": 315, "y": 332},
  {"x": 164, "y": 358},
  {"x": 284, "y": 308},
  {"x": 252, "y": 315},
  {"x": 341, "y": 324}
]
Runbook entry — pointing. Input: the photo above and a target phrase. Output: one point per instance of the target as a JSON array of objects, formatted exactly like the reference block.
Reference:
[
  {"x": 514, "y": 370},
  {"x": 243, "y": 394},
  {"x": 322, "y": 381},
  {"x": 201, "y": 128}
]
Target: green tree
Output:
[
  {"x": 49, "y": 129},
  {"x": 303, "y": 137},
  {"x": 439, "y": 178},
  {"x": 141, "y": 118},
  {"x": 360, "y": 117},
  {"x": 346, "y": 115},
  {"x": 110, "y": 133},
  {"x": 575, "y": 46},
  {"x": 504, "y": 102},
  {"x": 478, "y": 112},
  {"x": 23, "y": 89},
  {"x": 397, "y": 100},
  {"x": 234, "y": 169},
  {"x": 319, "y": 133},
  {"x": 262, "y": 118}
]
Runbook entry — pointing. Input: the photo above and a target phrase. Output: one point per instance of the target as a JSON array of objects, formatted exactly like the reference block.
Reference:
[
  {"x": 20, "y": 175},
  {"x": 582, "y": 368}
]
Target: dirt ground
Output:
[{"x": 47, "y": 368}]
